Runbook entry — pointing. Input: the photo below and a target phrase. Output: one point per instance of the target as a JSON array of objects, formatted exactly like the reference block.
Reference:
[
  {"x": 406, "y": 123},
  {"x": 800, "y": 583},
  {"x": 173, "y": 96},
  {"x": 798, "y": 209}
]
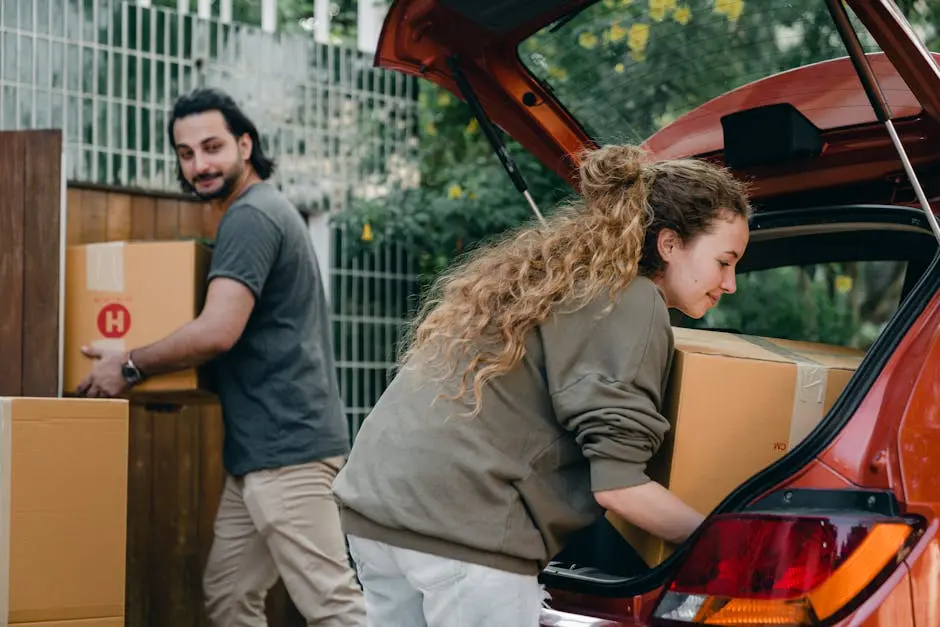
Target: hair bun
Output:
[{"x": 609, "y": 170}]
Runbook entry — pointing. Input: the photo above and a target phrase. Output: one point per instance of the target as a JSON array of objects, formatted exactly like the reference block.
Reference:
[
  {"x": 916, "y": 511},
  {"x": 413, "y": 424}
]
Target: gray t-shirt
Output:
[{"x": 277, "y": 385}]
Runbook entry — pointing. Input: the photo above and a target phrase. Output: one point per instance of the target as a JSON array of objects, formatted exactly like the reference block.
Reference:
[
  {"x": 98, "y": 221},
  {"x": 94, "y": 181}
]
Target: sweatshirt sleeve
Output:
[{"x": 606, "y": 374}]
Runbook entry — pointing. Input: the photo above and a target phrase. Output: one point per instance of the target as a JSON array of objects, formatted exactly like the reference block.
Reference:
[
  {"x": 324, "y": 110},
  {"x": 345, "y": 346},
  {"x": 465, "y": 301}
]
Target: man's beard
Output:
[{"x": 229, "y": 182}]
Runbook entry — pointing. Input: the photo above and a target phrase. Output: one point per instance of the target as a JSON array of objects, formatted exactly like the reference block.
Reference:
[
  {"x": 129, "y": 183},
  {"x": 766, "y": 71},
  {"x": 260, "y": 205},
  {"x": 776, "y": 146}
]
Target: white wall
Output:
[
  {"x": 370, "y": 15},
  {"x": 319, "y": 226}
]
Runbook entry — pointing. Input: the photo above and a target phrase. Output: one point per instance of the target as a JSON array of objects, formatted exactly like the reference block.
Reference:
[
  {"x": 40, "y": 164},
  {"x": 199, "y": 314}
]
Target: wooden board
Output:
[{"x": 30, "y": 210}]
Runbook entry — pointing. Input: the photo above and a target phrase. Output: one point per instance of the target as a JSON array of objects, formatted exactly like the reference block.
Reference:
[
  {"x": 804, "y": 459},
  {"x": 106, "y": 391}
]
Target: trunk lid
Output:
[{"x": 562, "y": 75}]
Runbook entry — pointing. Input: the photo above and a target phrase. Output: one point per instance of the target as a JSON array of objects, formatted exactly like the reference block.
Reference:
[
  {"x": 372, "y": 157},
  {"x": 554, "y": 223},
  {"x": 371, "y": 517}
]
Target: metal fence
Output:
[{"x": 106, "y": 72}]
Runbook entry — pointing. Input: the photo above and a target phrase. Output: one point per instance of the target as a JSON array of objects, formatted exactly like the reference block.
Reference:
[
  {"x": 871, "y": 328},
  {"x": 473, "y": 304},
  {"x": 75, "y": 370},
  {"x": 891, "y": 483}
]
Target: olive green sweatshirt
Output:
[{"x": 580, "y": 413}]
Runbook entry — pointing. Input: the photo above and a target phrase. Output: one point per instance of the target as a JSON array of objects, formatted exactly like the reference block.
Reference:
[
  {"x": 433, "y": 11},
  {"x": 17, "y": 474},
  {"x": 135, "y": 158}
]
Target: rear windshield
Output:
[{"x": 627, "y": 68}]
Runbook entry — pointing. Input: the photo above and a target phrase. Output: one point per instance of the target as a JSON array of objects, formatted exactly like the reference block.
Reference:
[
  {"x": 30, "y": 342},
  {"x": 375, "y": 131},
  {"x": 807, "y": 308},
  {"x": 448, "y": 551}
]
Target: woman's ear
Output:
[{"x": 666, "y": 243}]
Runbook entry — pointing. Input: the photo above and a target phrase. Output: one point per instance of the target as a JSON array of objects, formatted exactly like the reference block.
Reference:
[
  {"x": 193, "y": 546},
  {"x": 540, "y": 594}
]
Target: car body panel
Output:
[{"x": 924, "y": 566}]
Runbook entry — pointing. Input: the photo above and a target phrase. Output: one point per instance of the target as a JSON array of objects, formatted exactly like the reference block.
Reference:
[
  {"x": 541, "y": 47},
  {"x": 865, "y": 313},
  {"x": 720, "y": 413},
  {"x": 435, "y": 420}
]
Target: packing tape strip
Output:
[
  {"x": 104, "y": 267},
  {"x": 6, "y": 448},
  {"x": 110, "y": 344},
  {"x": 809, "y": 396}
]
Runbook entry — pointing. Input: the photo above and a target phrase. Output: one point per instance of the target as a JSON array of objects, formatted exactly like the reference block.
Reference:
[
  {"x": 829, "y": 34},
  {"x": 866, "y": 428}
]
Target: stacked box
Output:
[
  {"x": 736, "y": 404},
  {"x": 63, "y": 511}
]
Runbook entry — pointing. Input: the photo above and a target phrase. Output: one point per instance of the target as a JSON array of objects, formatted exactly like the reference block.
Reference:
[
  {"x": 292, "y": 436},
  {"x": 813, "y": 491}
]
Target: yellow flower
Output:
[
  {"x": 843, "y": 284},
  {"x": 638, "y": 55},
  {"x": 669, "y": 5},
  {"x": 472, "y": 127},
  {"x": 587, "y": 40},
  {"x": 431, "y": 129},
  {"x": 639, "y": 37},
  {"x": 366, "y": 233},
  {"x": 626, "y": 3},
  {"x": 454, "y": 191},
  {"x": 619, "y": 68},
  {"x": 731, "y": 8},
  {"x": 658, "y": 10},
  {"x": 616, "y": 32},
  {"x": 557, "y": 72},
  {"x": 443, "y": 99},
  {"x": 682, "y": 15}
]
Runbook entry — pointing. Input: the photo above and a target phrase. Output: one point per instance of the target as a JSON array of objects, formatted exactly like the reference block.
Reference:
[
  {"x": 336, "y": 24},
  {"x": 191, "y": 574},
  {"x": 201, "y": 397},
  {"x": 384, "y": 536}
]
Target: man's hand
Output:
[{"x": 105, "y": 379}]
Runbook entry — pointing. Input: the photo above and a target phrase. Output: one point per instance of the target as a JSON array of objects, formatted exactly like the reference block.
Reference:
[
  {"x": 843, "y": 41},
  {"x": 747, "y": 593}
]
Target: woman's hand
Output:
[{"x": 654, "y": 509}]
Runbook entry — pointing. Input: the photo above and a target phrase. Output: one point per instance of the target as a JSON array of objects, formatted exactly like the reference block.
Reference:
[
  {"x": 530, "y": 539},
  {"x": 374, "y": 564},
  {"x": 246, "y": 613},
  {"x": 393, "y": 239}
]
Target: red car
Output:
[{"x": 832, "y": 110}]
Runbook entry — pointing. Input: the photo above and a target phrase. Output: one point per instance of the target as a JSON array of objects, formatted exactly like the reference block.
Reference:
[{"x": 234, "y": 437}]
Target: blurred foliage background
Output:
[{"x": 613, "y": 63}]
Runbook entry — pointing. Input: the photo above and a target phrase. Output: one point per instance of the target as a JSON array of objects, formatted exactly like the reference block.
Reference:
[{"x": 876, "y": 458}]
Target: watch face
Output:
[{"x": 130, "y": 374}]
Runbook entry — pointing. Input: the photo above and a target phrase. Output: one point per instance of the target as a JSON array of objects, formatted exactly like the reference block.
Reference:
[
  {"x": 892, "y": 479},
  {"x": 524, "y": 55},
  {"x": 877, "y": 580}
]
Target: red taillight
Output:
[{"x": 755, "y": 569}]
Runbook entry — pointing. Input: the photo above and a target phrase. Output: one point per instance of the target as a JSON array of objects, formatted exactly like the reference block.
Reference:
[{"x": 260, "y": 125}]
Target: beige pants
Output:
[{"x": 281, "y": 522}]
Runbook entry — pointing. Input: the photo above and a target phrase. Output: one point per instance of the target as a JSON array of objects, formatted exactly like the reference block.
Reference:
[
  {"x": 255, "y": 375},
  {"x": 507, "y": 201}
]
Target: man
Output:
[{"x": 265, "y": 329}]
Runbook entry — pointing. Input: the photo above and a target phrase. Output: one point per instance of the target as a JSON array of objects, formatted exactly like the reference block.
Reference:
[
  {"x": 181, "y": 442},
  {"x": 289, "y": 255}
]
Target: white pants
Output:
[{"x": 406, "y": 588}]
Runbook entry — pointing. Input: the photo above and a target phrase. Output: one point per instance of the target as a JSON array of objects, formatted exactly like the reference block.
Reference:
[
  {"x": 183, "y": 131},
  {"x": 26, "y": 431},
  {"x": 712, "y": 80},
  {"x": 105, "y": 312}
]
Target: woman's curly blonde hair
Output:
[{"x": 479, "y": 313}]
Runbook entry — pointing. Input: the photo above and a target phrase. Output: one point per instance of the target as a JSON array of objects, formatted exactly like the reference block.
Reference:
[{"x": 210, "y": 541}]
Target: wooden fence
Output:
[
  {"x": 175, "y": 462},
  {"x": 175, "y": 457}
]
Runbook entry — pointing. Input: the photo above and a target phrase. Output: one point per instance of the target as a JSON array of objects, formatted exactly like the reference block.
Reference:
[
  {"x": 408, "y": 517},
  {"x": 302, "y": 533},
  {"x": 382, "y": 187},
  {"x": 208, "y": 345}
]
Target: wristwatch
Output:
[{"x": 131, "y": 373}]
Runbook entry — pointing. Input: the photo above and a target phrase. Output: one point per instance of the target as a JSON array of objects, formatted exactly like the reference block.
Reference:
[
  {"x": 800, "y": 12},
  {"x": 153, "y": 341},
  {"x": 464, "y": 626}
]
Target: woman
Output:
[{"x": 531, "y": 395}]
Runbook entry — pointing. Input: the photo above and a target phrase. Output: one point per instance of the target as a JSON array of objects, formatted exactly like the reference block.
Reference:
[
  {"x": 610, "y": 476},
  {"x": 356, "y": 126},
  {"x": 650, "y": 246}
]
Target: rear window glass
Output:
[
  {"x": 847, "y": 304},
  {"x": 627, "y": 68}
]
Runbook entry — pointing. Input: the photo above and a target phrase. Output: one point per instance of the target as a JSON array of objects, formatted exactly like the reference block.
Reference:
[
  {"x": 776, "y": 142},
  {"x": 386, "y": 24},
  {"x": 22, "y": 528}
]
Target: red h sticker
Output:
[{"x": 114, "y": 321}]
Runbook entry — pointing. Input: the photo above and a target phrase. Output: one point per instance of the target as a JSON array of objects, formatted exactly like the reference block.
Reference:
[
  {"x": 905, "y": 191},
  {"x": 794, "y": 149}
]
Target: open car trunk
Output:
[
  {"x": 830, "y": 120},
  {"x": 784, "y": 381}
]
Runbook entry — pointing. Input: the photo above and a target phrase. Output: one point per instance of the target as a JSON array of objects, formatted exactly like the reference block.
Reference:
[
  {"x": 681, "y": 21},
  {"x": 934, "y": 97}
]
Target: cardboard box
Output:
[
  {"x": 113, "y": 621},
  {"x": 122, "y": 295},
  {"x": 736, "y": 404},
  {"x": 63, "y": 509}
]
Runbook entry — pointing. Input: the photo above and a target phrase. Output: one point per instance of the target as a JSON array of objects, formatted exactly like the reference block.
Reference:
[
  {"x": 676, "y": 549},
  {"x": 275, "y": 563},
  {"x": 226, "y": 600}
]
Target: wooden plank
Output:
[
  {"x": 188, "y": 587},
  {"x": 190, "y": 219},
  {"x": 140, "y": 543},
  {"x": 41, "y": 241},
  {"x": 166, "y": 566},
  {"x": 73, "y": 228},
  {"x": 211, "y": 482},
  {"x": 143, "y": 217},
  {"x": 210, "y": 221},
  {"x": 12, "y": 174},
  {"x": 94, "y": 216},
  {"x": 118, "y": 223},
  {"x": 168, "y": 219}
]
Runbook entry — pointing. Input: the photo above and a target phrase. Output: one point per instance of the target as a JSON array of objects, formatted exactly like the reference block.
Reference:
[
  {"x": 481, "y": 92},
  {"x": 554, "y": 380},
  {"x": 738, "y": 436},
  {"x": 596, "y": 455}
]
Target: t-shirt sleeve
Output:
[
  {"x": 606, "y": 379},
  {"x": 246, "y": 247}
]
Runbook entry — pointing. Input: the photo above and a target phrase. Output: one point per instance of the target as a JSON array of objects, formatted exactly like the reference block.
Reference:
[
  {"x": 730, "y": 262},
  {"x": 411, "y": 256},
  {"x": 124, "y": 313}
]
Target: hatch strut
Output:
[
  {"x": 489, "y": 129},
  {"x": 878, "y": 101}
]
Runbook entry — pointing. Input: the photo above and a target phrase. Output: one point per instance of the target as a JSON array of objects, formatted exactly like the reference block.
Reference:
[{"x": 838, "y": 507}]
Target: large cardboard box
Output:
[
  {"x": 736, "y": 404},
  {"x": 113, "y": 621},
  {"x": 122, "y": 295},
  {"x": 63, "y": 510}
]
